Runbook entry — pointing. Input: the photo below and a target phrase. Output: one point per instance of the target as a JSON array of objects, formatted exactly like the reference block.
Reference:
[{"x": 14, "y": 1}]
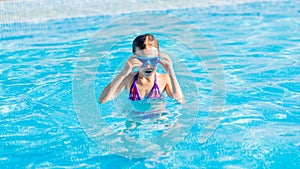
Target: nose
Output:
[{"x": 148, "y": 65}]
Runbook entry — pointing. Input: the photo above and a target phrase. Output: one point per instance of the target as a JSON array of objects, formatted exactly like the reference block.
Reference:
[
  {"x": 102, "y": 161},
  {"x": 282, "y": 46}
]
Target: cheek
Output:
[
  {"x": 141, "y": 69},
  {"x": 138, "y": 53}
]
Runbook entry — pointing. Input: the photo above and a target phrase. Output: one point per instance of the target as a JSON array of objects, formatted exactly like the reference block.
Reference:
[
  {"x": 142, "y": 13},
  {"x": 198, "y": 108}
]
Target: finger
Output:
[
  {"x": 136, "y": 62},
  {"x": 164, "y": 56},
  {"x": 163, "y": 63},
  {"x": 132, "y": 57}
]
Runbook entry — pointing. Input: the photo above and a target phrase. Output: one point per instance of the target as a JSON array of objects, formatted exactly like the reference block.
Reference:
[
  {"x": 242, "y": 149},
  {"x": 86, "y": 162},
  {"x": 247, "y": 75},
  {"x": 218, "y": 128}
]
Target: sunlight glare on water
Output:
[{"x": 257, "y": 44}]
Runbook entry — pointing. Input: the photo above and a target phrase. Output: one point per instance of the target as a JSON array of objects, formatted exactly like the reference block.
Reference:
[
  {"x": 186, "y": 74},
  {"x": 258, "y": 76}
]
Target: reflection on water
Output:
[
  {"x": 258, "y": 44},
  {"x": 144, "y": 119}
]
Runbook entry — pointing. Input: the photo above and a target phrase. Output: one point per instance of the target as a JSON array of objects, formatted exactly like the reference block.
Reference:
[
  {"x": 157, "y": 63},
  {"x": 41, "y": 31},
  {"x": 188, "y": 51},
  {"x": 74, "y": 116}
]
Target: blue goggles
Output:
[{"x": 153, "y": 61}]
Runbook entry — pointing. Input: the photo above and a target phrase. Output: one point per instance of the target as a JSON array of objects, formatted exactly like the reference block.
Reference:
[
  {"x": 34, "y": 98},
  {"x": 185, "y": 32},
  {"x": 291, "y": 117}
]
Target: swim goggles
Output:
[{"x": 153, "y": 61}]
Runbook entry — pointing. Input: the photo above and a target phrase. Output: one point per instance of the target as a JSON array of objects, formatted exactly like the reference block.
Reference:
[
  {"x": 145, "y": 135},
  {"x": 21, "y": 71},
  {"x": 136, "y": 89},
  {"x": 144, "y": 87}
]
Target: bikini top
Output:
[{"x": 134, "y": 92}]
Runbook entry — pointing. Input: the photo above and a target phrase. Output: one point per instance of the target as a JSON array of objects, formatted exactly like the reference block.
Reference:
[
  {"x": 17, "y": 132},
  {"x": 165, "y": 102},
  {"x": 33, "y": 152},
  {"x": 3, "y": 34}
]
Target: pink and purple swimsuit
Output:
[{"x": 134, "y": 92}]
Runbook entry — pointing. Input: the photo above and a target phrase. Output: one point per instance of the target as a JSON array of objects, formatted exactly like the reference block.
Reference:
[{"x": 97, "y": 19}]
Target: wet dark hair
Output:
[{"x": 144, "y": 41}]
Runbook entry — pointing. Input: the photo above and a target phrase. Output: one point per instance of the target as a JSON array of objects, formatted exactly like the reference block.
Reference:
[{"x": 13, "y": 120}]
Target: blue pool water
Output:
[{"x": 258, "y": 47}]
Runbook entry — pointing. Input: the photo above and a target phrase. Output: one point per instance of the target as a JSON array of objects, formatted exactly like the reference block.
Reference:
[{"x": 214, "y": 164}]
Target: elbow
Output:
[
  {"x": 101, "y": 100},
  {"x": 179, "y": 98}
]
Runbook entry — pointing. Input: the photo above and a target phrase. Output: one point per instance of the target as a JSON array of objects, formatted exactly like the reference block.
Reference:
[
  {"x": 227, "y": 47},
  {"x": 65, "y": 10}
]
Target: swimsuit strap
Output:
[
  {"x": 155, "y": 91},
  {"x": 134, "y": 92},
  {"x": 155, "y": 78}
]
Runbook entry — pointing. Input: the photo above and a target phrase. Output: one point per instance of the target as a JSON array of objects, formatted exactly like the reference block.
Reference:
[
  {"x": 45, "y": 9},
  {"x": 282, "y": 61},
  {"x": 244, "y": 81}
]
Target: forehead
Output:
[{"x": 147, "y": 51}]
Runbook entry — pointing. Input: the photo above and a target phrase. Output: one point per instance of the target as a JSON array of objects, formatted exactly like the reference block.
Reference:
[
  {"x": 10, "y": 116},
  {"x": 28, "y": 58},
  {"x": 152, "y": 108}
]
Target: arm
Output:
[
  {"x": 113, "y": 88},
  {"x": 117, "y": 85},
  {"x": 172, "y": 87}
]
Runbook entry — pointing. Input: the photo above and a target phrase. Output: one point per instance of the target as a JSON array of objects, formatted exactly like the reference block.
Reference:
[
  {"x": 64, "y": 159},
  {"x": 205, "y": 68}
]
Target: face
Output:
[{"x": 149, "y": 57}]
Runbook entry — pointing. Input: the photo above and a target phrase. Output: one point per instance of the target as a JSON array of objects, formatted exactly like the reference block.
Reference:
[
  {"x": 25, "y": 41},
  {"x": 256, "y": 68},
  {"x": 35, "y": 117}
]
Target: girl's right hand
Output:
[{"x": 131, "y": 63}]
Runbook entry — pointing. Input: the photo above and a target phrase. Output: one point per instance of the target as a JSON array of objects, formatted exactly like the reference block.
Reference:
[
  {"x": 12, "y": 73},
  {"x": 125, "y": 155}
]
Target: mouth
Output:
[{"x": 149, "y": 71}]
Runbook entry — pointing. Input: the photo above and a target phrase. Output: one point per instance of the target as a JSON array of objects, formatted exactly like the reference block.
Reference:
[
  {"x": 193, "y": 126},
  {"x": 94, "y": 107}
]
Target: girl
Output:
[{"x": 145, "y": 83}]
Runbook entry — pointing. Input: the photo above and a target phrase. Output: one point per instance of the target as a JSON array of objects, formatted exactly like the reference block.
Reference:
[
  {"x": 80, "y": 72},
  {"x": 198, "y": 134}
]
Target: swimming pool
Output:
[{"x": 258, "y": 48}]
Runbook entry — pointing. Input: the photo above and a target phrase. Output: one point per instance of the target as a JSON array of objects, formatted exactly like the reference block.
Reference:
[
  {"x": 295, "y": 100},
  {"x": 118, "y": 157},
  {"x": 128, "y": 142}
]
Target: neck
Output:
[{"x": 143, "y": 78}]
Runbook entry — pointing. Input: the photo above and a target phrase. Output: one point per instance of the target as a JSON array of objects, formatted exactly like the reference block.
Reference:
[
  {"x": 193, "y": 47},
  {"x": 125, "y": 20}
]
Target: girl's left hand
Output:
[{"x": 166, "y": 62}]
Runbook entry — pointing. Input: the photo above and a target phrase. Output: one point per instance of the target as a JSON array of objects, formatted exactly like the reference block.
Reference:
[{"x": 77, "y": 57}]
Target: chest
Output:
[{"x": 145, "y": 88}]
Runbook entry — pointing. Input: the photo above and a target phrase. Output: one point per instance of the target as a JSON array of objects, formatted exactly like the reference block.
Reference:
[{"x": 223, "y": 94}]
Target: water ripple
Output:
[{"x": 259, "y": 50}]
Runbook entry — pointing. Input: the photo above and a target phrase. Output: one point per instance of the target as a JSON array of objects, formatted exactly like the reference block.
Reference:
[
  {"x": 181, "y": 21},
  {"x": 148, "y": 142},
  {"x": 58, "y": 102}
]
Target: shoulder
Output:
[
  {"x": 163, "y": 78},
  {"x": 129, "y": 79}
]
